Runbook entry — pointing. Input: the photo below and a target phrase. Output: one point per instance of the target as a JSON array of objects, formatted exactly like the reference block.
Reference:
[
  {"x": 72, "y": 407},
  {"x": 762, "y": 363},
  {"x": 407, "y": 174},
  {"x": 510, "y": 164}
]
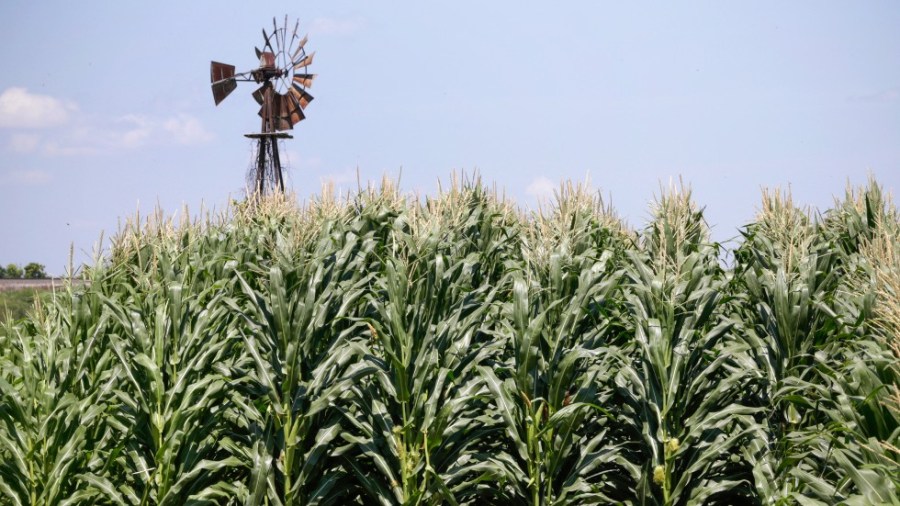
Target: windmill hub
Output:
[
  {"x": 282, "y": 96},
  {"x": 267, "y": 68}
]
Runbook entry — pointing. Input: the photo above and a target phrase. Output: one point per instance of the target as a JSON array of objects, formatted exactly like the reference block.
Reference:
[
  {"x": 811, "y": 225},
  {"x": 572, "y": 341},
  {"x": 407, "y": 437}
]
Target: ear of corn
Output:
[{"x": 453, "y": 350}]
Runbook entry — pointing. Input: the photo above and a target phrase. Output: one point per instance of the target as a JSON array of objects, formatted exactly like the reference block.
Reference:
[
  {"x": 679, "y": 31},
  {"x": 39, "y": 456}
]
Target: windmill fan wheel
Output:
[{"x": 284, "y": 77}]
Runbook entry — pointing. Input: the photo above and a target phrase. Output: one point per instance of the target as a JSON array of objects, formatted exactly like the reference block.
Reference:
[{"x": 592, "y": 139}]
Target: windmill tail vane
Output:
[{"x": 283, "y": 79}]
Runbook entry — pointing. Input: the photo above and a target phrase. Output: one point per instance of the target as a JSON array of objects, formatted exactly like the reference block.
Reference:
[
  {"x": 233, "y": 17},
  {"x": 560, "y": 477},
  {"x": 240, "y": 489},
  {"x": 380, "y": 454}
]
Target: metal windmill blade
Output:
[
  {"x": 223, "y": 80},
  {"x": 304, "y": 80}
]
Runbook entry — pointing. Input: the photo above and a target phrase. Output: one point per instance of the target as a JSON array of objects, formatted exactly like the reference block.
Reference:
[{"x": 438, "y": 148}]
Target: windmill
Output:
[{"x": 282, "y": 97}]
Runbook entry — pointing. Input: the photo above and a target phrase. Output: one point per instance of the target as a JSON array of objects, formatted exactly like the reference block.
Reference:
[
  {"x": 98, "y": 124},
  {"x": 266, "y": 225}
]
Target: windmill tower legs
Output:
[{"x": 267, "y": 175}]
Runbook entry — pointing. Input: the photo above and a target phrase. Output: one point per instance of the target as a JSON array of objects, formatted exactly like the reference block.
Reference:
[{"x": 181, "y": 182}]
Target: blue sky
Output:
[{"x": 105, "y": 107}]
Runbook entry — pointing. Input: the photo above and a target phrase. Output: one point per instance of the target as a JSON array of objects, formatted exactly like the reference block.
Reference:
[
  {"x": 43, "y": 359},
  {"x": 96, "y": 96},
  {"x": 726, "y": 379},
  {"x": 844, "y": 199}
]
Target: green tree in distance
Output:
[
  {"x": 13, "y": 271},
  {"x": 35, "y": 270}
]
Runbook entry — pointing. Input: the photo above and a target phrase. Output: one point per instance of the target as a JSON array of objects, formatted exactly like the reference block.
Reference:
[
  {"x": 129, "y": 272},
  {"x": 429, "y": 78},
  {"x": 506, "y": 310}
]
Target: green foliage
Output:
[
  {"x": 34, "y": 270},
  {"x": 829, "y": 434},
  {"x": 388, "y": 350},
  {"x": 15, "y": 304},
  {"x": 13, "y": 271},
  {"x": 680, "y": 392}
]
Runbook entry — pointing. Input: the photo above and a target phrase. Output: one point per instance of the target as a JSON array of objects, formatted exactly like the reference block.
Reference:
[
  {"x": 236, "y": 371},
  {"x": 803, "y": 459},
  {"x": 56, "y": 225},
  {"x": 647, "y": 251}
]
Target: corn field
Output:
[{"x": 383, "y": 349}]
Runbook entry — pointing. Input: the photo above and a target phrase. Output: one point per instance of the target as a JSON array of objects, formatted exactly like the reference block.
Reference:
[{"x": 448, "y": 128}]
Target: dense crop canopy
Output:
[{"x": 454, "y": 350}]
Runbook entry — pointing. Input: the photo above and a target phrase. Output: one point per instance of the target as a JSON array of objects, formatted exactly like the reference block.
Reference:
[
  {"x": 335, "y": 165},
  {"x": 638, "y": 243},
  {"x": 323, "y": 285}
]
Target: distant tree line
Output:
[{"x": 33, "y": 270}]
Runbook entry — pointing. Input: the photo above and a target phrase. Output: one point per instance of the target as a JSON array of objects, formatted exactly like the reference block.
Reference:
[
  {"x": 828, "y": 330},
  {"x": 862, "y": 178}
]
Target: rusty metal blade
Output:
[
  {"x": 219, "y": 71},
  {"x": 221, "y": 75},
  {"x": 305, "y": 61},
  {"x": 299, "y": 47},
  {"x": 267, "y": 110},
  {"x": 296, "y": 112},
  {"x": 273, "y": 109},
  {"x": 222, "y": 89},
  {"x": 260, "y": 93},
  {"x": 305, "y": 80},
  {"x": 280, "y": 113},
  {"x": 287, "y": 105},
  {"x": 268, "y": 44},
  {"x": 302, "y": 96},
  {"x": 276, "y": 104},
  {"x": 282, "y": 41},
  {"x": 279, "y": 37}
]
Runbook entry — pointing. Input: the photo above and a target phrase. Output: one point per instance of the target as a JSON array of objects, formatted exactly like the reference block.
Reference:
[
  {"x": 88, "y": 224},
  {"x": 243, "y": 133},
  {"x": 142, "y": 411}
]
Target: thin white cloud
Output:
[
  {"x": 339, "y": 178},
  {"x": 889, "y": 95},
  {"x": 69, "y": 147},
  {"x": 334, "y": 26},
  {"x": 19, "y": 108},
  {"x": 32, "y": 177},
  {"x": 128, "y": 132},
  {"x": 135, "y": 133},
  {"x": 86, "y": 134},
  {"x": 84, "y": 139},
  {"x": 293, "y": 160},
  {"x": 186, "y": 130},
  {"x": 24, "y": 143},
  {"x": 541, "y": 188}
]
